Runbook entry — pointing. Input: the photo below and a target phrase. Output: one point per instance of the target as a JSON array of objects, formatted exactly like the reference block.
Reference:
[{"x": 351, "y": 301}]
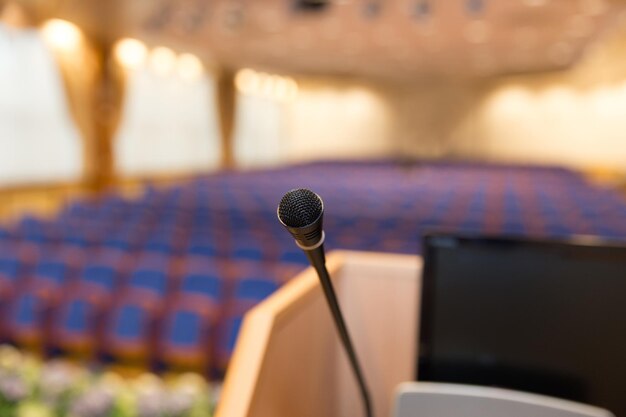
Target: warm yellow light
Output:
[
  {"x": 162, "y": 60},
  {"x": 273, "y": 87},
  {"x": 189, "y": 67},
  {"x": 130, "y": 53},
  {"x": 266, "y": 83},
  {"x": 247, "y": 81},
  {"x": 285, "y": 89},
  {"x": 511, "y": 100},
  {"x": 62, "y": 34}
]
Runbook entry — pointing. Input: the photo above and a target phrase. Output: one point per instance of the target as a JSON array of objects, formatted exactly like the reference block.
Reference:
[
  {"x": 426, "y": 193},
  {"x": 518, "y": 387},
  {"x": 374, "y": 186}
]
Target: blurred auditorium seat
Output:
[
  {"x": 250, "y": 291},
  {"x": 76, "y": 326},
  {"x": 151, "y": 276},
  {"x": 129, "y": 330},
  {"x": 203, "y": 285},
  {"x": 184, "y": 340},
  {"x": 27, "y": 319},
  {"x": 11, "y": 267},
  {"x": 128, "y": 269},
  {"x": 55, "y": 269},
  {"x": 101, "y": 275},
  {"x": 295, "y": 256},
  {"x": 226, "y": 341}
]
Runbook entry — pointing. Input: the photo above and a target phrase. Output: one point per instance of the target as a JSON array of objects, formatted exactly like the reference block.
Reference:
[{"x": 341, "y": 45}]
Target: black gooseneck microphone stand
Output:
[
  {"x": 301, "y": 212},
  {"x": 317, "y": 260}
]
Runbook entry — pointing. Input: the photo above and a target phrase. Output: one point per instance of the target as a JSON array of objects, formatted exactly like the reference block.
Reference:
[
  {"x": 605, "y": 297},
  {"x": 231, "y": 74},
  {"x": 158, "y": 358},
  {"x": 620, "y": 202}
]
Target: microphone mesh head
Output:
[{"x": 300, "y": 208}]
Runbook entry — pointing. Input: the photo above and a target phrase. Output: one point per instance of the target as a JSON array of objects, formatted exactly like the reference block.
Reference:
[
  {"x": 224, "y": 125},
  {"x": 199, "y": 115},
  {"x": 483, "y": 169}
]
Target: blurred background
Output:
[{"x": 145, "y": 144}]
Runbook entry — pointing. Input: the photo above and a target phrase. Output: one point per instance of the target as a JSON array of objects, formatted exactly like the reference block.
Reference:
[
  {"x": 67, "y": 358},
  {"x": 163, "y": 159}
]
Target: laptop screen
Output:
[{"x": 538, "y": 316}]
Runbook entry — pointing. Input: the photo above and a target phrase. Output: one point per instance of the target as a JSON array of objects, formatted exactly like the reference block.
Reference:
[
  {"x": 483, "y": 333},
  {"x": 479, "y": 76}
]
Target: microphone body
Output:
[{"x": 310, "y": 238}]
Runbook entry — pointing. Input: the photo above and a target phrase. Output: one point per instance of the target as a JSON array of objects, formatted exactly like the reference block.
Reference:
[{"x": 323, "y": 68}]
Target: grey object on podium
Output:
[{"x": 431, "y": 399}]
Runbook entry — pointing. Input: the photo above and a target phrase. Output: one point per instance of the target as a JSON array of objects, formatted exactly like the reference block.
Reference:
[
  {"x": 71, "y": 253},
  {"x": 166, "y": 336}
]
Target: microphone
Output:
[{"x": 301, "y": 211}]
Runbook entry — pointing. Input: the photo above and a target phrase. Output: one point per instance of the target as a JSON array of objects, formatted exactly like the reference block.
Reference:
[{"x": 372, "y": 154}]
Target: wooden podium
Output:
[{"x": 288, "y": 361}]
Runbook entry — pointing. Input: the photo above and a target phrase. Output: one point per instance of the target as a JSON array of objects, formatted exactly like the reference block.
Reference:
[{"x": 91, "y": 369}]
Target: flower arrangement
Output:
[{"x": 30, "y": 387}]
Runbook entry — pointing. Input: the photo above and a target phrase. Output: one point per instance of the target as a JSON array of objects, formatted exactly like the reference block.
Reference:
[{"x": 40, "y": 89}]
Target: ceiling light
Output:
[
  {"x": 311, "y": 5},
  {"x": 233, "y": 17},
  {"x": 162, "y": 60},
  {"x": 130, "y": 53},
  {"x": 474, "y": 7},
  {"x": 371, "y": 9},
  {"x": 189, "y": 67},
  {"x": 422, "y": 9},
  {"x": 285, "y": 89},
  {"x": 62, "y": 34},
  {"x": 267, "y": 84},
  {"x": 247, "y": 81}
]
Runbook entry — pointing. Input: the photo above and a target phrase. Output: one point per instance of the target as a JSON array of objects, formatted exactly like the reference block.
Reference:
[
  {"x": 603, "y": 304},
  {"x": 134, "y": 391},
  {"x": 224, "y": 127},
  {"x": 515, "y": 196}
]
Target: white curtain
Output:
[
  {"x": 39, "y": 141},
  {"x": 260, "y": 128},
  {"x": 169, "y": 125}
]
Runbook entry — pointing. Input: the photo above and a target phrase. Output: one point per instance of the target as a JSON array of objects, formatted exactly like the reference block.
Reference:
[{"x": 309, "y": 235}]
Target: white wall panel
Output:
[
  {"x": 169, "y": 126},
  {"x": 39, "y": 141}
]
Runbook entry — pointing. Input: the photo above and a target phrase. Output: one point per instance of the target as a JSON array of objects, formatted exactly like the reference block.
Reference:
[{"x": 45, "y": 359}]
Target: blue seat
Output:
[
  {"x": 513, "y": 227},
  {"x": 558, "y": 229},
  {"x": 252, "y": 253},
  {"x": 101, "y": 275},
  {"x": 26, "y": 307},
  {"x": 162, "y": 245},
  {"x": 208, "y": 285},
  {"x": 294, "y": 256},
  {"x": 9, "y": 266},
  {"x": 254, "y": 289},
  {"x": 117, "y": 242},
  {"x": 151, "y": 280},
  {"x": 76, "y": 317},
  {"x": 204, "y": 247},
  {"x": 130, "y": 322},
  {"x": 52, "y": 270},
  {"x": 234, "y": 325},
  {"x": 32, "y": 229},
  {"x": 128, "y": 331},
  {"x": 185, "y": 328}
]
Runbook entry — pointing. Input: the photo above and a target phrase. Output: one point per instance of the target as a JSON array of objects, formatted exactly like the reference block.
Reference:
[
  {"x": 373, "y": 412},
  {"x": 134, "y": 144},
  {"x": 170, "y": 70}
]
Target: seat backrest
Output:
[
  {"x": 231, "y": 332},
  {"x": 10, "y": 265},
  {"x": 431, "y": 399},
  {"x": 151, "y": 280},
  {"x": 102, "y": 275},
  {"x": 25, "y": 310},
  {"x": 254, "y": 289},
  {"x": 185, "y": 328},
  {"x": 207, "y": 285},
  {"x": 53, "y": 270},
  {"x": 130, "y": 322},
  {"x": 76, "y": 316}
]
